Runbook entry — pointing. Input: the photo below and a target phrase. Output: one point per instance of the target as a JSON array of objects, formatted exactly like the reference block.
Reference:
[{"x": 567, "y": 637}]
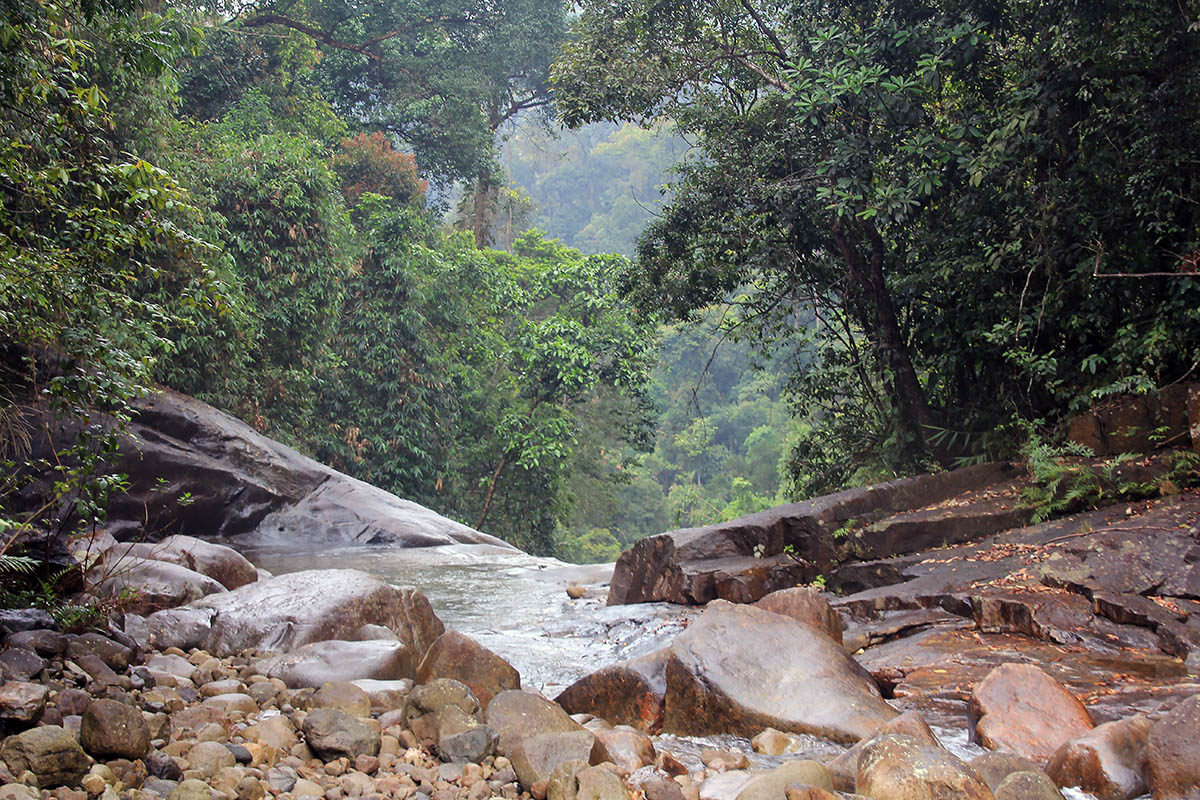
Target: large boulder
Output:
[
  {"x": 50, "y": 752},
  {"x": 745, "y": 559},
  {"x": 630, "y": 692},
  {"x": 844, "y": 769},
  {"x": 321, "y": 662},
  {"x": 1173, "y": 753},
  {"x": 1106, "y": 761},
  {"x": 145, "y": 584},
  {"x": 289, "y": 611},
  {"x": 739, "y": 669},
  {"x": 901, "y": 768},
  {"x": 238, "y": 484},
  {"x": 1020, "y": 708},
  {"x": 110, "y": 728},
  {"x": 223, "y": 564},
  {"x": 335, "y": 734},
  {"x": 460, "y": 657},
  {"x": 805, "y": 605}
]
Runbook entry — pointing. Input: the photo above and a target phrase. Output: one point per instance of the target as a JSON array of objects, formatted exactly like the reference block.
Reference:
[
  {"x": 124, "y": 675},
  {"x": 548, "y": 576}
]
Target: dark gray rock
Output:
[
  {"x": 109, "y": 728},
  {"x": 333, "y": 734},
  {"x": 25, "y": 619},
  {"x": 21, "y": 663}
]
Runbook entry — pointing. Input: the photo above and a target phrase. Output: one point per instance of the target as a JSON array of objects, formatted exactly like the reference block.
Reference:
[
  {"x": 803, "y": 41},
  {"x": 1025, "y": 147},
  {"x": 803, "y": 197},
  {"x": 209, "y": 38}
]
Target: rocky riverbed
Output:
[{"x": 961, "y": 652}]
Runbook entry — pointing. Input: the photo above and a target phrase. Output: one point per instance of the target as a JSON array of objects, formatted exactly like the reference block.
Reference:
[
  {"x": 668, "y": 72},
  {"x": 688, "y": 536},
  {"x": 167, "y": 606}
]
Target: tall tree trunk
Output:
[
  {"x": 481, "y": 224},
  {"x": 491, "y": 492},
  {"x": 911, "y": 405}
]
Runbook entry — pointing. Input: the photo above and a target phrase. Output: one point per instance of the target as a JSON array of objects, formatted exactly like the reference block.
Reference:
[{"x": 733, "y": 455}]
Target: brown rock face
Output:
[
  {"x": 534, "y": 758},
  {"x": 1173, "y": 753},
  {"x": 901, "y": 768},
  {"x": 1106, "y": 761},
  {"x": 1020, "y": 708},
  {"x": 460, "y": 657},
  {"x": 630, "y": 693},
  {"x": 629, "y": 750},
  {"x": 288, "y": 611},
  {"x": 739, "y": 669},
  {"x": 805, "y": 605}
]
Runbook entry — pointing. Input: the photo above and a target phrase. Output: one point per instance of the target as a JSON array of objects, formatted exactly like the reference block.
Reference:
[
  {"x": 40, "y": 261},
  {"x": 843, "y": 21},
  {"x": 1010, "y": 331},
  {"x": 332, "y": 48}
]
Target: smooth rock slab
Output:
[
  {"x": 1020, "y": 708},
  {"x": 148, "y": 585},
  {"x": 223, "y": 564},
  {"x": 739, "y": 669},
  {"x": 289, "y": 611},
  {"x": 335, "y": 661}
]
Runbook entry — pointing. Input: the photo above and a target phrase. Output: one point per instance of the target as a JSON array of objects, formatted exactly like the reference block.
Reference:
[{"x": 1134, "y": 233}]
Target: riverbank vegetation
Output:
[{"x": 894, "y": 234}]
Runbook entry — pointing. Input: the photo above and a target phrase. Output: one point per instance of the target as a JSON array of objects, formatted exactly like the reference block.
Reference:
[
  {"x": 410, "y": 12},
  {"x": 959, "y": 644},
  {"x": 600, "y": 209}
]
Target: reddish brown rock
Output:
[
  {"x": 805, "y": 605},
  {"x": 1106, "y": 761},
  {"x": 460, "y": 657},
  {"x": 630, "y": 693},
  {"x": 1020, "y": 708},
  {"x": 1173, "y": 753},
  {"x": 739, "y": 669},
  {"x": 627, "y": 749}
]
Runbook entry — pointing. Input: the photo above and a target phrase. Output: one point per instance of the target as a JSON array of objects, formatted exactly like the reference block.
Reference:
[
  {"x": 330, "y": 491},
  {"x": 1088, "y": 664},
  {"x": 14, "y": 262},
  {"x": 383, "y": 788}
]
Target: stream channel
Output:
[{"x": 516, "y": 605}]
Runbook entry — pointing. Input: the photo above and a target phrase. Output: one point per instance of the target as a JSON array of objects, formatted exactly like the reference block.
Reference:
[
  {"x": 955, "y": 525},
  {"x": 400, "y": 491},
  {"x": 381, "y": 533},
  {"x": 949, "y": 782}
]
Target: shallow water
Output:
[{"x": 516, "y": 605}]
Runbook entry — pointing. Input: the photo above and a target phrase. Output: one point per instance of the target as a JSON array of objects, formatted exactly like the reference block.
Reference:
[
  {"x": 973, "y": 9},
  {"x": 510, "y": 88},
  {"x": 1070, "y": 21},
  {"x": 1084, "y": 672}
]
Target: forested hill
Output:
[{"x": 899, "y": 237}]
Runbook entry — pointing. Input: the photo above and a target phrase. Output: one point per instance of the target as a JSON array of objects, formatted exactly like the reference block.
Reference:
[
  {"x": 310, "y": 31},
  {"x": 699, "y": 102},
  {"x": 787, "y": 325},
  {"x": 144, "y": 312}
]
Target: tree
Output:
[{"x": 913, "y": 176}]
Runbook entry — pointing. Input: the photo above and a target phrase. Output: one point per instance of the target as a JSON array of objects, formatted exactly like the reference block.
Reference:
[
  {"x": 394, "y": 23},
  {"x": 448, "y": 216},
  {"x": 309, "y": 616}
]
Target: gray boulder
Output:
[
  {"x": 335, "y": 734},
  {"x": 49, "y": 752},
  {"x": 335, "y": 661},
  {"x": 289, "y": 611},
  {"x": 148, "y": 585},
  {"x": 223, "y": 564}
]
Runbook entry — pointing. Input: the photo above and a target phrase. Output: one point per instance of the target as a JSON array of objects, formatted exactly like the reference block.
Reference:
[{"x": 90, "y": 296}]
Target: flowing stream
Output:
[{"x": 516, "y": 605}]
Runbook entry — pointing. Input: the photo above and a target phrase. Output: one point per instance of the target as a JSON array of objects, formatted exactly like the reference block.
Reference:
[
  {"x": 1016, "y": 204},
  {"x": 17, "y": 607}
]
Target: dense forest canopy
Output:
[{"x": 879, "y": 237}]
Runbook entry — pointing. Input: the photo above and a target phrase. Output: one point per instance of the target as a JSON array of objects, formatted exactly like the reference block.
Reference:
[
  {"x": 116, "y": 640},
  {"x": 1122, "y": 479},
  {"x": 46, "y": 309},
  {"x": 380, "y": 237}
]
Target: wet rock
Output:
[
  {"x": 901, "y": 768},
  {"x": 336, "y": 661},
  {"x": 289, "y": 611},
  {"x": 334, "y": 734},
  {"x": 460, "y": 657},
  {"x": 1020, "y": 708},
  {"x": 516, "y": 715},
  {"x": 1173, "y": 753},
  {"x": 26, "y": 619},
  {"x": 20, "y": 663},
  {"x": 738, "y": 669},
  {"x": 1028, "y": 786},
  {"x": 343, "y": 696},
  {"x": 805, "y": 605},
  {"x": 21, "y": 701},
  {"x": 772, "y": 742},
  {"x": 630, "y": 693},
  {"x": 844, "y": 768},
  {"x": 150, "y": 585},
  {"x": 1106, "y": 761},
  {"x": 995, "y": 767},
  {"x": 535, "y": 757},
  {"x": 223, "y": 564},
  {"x": 773, "y": 784},
  {"x": 629, "y": 750},
  {"x": 50, "y": 752},
  {"x": 109, "y": 728}
]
